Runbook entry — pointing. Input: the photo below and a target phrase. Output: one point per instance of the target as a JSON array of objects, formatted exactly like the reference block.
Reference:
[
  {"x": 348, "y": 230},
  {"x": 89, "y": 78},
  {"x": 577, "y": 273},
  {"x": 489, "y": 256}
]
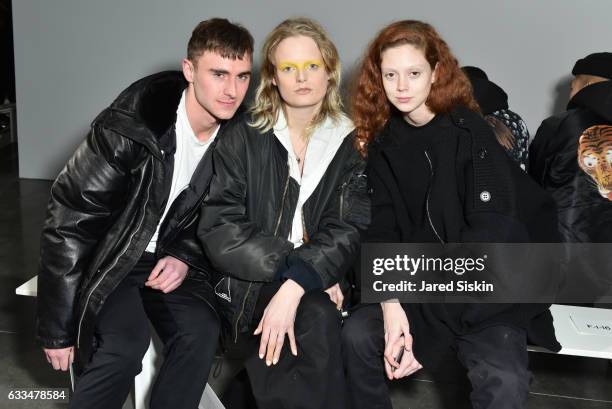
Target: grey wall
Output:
[{"x": 73, "y": 57}]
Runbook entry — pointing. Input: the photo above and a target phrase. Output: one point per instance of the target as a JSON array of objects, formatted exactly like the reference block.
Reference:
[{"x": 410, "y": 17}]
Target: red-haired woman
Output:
[{"x": 437, "y": 174}]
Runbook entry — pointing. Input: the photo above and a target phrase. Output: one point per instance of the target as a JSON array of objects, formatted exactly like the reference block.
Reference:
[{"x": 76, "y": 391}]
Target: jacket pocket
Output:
[
  {"x": 235, "y": 303},
  {"x": 355, "y": 201}
]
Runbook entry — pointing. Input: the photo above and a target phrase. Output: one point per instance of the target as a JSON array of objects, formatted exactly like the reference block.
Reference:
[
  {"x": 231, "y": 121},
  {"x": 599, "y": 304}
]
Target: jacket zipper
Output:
[
  {"x": 241, "y": 312},
  {"x": 342, "y": 199},
  {"x": 112, "y": 265},
  {"x": 197, "y": 205},
  {"x": 427, "y": 199},
  {"x": 280, "y": 215}
]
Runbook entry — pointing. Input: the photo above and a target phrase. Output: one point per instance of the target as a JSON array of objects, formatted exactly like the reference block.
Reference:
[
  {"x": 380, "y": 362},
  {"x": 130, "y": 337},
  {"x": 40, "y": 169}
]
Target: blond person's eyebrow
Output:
[{"x": 298, "y": 65}]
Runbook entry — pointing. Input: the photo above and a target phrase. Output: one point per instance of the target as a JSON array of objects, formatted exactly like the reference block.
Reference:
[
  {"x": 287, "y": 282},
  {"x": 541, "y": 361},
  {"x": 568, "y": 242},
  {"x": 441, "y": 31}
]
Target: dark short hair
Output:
[{"x": 220, "y": 36}]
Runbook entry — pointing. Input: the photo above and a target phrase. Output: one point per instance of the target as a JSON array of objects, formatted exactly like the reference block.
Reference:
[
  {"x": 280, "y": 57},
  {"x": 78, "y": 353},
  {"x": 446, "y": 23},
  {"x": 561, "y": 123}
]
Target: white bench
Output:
[
  {"x": 582, "y": 331},
  {"x": 150, "y": 364}
]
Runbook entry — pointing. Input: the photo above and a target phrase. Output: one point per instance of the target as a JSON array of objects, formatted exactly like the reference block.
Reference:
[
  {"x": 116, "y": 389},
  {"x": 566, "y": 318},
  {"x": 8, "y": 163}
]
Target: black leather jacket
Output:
[
  {"x": 246, "y": 220},
  {"x": 105, "y": 206}
]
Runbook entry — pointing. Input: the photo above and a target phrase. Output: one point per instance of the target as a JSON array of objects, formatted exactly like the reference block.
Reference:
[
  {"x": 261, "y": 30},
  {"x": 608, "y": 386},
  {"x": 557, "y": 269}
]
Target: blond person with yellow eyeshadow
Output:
[{"x": 282, "y": 222}]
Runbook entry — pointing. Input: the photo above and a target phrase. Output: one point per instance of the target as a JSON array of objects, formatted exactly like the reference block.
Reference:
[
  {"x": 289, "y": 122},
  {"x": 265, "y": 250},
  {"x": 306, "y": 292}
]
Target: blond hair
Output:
[{"x": 268, "y": 103}]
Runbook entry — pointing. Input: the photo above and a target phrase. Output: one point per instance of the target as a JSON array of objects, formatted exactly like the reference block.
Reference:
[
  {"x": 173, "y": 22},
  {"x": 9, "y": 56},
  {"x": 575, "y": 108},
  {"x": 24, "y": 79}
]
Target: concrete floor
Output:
[{"x": 560, "y": 382}]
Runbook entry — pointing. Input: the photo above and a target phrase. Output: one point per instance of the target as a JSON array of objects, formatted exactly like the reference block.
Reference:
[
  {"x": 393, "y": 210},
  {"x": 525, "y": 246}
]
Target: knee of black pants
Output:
[
  {"x": 498, "y": 365},
  {"x": 125, "y": 351},
  {"x": 198, "y": 340},
  {"x": 317, "y": 313},
  {"x": 491, "y": 382},
  {"x": 360, "y": 333}
]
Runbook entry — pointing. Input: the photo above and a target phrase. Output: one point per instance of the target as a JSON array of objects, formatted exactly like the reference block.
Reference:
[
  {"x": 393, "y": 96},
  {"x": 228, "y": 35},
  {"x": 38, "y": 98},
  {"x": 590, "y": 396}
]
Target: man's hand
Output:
[
  {"x": 60, "y": 358},
  {"x": 335, "y": 294},
  {"x": 278, "y": 320},
  {"x": 167, "y": 274},
  {"x": 398, "y": 338}
]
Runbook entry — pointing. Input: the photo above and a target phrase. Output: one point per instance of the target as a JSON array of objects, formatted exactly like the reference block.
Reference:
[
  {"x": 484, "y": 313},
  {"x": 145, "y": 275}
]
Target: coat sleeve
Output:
[
  {"x": 233, "y": 243},
  {"x": 186, "y": 246},
  {"x": 540, "y": 150},
  {"x": 331, "y": 250},
  {"x": 83, "y": 199}
]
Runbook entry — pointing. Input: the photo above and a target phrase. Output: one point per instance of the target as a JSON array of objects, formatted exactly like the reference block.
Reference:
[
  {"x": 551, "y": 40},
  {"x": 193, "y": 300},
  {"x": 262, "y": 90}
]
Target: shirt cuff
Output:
[{"x": 302, "y": 273}]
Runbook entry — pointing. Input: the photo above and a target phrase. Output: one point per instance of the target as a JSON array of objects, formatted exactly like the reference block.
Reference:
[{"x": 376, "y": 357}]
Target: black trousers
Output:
[
  {"x": 314, "y": 379},
  {"x": 184, "y": 320},
  {"x": 495, "y": 359}
]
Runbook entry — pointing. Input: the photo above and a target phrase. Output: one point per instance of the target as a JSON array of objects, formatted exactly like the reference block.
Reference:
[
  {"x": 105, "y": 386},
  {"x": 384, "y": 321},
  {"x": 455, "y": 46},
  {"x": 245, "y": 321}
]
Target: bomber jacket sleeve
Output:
[
  {"x": 235, "y": 244},
  {"x": 83, "y": 198},
  {"x": 332, "y": 249},
  {"x": 187, "y": 247}
]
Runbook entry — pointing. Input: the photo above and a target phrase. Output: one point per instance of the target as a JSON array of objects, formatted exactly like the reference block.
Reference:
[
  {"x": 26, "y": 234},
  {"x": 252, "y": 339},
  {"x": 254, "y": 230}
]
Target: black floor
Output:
[
  {"x": 560, "y": 382},
  {"x": 23, "y": 366}
]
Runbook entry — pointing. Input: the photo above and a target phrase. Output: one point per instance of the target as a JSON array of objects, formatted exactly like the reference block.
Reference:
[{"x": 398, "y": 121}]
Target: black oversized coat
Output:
[{"x": 476, "y": 194}]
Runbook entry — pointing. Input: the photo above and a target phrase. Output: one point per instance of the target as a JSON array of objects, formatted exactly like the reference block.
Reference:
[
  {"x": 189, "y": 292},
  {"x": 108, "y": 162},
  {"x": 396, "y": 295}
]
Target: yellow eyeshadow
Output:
[
  {"x": 313, "y": 62},
  {"x": 304, "y": 65},
  {"x": 285, "y": 65}
]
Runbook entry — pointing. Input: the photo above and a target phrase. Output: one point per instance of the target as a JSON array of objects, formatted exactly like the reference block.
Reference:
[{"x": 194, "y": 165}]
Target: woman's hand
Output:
[
  {"x": 278, "y": 319},
  {"x": 399, "y": 358}
]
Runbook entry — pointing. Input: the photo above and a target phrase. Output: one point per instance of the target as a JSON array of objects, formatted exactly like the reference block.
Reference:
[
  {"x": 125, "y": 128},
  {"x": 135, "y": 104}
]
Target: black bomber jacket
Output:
[{"x": 246, "y": 219}]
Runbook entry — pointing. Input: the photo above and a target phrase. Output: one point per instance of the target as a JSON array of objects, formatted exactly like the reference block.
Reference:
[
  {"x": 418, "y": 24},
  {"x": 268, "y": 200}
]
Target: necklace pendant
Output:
[{"x": 299, "y": 160}]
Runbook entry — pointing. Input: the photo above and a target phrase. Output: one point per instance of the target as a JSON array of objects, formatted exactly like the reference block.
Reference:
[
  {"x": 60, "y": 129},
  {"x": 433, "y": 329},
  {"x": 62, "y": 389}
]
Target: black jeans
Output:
[
  {"x": 495, "y": 359},
  {"x": 314, "y": 379},
  {"x": 184, "y": 320}
]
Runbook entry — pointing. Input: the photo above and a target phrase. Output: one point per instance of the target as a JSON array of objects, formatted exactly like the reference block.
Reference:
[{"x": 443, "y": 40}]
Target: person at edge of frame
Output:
[
  {"x": 438, "y": 175},
  {"x": 283, "y": 219},
  {"x": 571, "y": 157},
  {"x": 571, "y": 154},
  {"x": 116, "y": 248}
]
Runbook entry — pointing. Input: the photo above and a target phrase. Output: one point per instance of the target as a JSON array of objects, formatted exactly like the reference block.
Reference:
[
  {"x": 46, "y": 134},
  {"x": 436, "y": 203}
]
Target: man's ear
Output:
[{"x": 188, "y": 70}]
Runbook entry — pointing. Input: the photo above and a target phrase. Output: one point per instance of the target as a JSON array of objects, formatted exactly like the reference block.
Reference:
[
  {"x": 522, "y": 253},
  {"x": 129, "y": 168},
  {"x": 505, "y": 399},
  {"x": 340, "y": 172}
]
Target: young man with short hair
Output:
[{"x": 117, "y": 246}]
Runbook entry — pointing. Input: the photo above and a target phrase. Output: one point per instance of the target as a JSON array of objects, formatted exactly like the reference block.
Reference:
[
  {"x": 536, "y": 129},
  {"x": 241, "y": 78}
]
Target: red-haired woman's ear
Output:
[{"x": 434, "y": 73}]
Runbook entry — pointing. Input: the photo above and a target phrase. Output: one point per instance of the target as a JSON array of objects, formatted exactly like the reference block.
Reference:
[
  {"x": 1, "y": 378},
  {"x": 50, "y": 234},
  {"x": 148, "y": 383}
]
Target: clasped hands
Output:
[{"x": 399, "y": 358}]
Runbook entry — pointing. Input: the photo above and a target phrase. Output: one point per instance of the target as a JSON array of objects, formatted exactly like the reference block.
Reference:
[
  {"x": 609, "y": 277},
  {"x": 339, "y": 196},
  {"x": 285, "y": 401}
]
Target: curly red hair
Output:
[{"x": 370, "y": 108}]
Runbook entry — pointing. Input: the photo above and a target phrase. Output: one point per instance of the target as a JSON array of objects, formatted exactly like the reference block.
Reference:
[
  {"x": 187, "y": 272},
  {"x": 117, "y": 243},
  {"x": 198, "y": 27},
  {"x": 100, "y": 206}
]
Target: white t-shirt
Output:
[
  {"x": 322, "y": 147},
  {"x": 189, "y": 152}
]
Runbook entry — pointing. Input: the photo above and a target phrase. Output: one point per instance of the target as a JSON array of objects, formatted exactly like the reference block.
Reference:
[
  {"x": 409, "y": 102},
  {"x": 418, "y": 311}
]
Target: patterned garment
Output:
[{"x": 518, "y": 148}]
